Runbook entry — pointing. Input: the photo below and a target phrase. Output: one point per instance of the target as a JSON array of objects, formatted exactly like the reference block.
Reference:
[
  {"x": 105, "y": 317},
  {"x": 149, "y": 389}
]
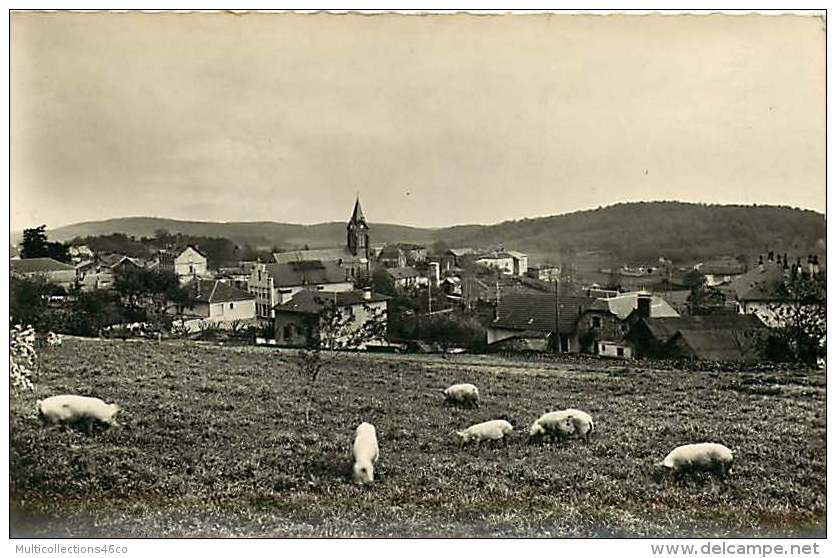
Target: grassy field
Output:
[{"x": 214, "y": 444}]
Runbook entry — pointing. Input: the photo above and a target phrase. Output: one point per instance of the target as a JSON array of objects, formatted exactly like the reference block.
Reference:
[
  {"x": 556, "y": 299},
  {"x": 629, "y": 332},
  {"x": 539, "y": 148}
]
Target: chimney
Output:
[
  {"x": 434, "y": 273},
  {"x": 367, "y": 293},
  {"x": 643, "y": 304}
]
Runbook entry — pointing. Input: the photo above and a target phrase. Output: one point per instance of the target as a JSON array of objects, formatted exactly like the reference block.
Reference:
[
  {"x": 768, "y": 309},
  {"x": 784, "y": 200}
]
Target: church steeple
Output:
[{"x": 358, "y": 232}]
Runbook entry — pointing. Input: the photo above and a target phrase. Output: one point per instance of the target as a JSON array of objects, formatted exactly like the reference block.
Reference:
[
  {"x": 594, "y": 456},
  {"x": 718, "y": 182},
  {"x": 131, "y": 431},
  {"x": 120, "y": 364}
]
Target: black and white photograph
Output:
[{"x": 418, "y": 275}]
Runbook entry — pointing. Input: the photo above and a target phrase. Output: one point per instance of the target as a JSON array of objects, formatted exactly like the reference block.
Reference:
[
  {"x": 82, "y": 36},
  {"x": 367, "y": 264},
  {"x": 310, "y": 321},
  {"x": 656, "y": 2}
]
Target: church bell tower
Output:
[{"x": 358, "y": 232}]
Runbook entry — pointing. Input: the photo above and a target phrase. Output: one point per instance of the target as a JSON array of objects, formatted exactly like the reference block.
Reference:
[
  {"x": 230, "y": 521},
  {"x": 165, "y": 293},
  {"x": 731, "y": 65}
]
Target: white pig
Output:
[
  {"x": 365, "y": 452},
  {"x": 465, "y": 394},
  {"x": 711, "y": 457},
  {"x": 490, "y": 430},
  {"x": 562, "y": 424},
  {"x": 70, "y": 409}
]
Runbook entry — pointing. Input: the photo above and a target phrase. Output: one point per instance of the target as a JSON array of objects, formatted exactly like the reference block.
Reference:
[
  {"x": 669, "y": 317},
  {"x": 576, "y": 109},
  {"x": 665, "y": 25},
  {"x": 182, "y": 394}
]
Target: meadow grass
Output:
[{"x": 214, "y": 444}]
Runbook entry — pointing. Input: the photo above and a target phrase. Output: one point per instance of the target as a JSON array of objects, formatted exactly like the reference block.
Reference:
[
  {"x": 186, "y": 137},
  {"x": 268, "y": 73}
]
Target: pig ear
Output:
[{"x": 460, "y": 433}]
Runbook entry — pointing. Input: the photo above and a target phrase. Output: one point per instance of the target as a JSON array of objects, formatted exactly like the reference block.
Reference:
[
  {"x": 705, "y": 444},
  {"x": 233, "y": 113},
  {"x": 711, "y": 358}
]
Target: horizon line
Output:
[{"x": 585, "y": 210}]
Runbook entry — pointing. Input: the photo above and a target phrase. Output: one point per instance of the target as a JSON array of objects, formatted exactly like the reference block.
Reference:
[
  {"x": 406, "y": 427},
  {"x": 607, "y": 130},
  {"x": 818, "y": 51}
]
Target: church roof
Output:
[
  {"x": 357, "y": 215},
  {"x": 340, "y": 255}
]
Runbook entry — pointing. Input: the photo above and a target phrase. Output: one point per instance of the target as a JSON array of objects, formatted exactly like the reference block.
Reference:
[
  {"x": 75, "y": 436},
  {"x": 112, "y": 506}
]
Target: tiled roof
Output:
[
  {"x": 313, "y": 302},
  {"x": 390, "y": 250},
  {"x": 402, "y": 273},
  {"x": 623, "y": 305},
  {"x": 322, "y": 254},
  {"x": 535, "y": 311},
  {"x": 112, "y": 260},
  {"x": 664, "y": 329},
  {"x": 473, "y": 288},
  {"x": 193, "y": 247},
  {"x": 311, "y": 272},
  {"x": 38, "y": 265},
  {"x": 517, "y": 255},
  {"x": 757, "y": 284},
  {"x": 721, "y": 345},
  {"x": 458, "y": 252},
  {"x": 208, "y": 290}
]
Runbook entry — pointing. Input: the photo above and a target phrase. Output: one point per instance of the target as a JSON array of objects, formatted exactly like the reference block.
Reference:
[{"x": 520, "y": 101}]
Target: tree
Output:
[
  {"x": 36, "y": 244},
  {"x": 704, "y": 298},
  {"x": 802, "y": 318},
  {"x": 383, "y": 282},
  {"x": 439, "y": 247},
  {"x": 152, "y": 290},
  {"x": 337, "y": 331},
  {"x": 27, "y": 301}
]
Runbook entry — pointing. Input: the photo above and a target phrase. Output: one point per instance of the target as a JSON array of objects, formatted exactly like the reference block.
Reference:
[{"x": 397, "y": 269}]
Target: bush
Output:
[{"x": 23, "y": 356}]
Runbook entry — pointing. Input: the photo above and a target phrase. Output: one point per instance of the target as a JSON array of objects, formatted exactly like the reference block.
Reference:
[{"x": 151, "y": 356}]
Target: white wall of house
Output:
[
  {"x": 64, "y": 278},
  {"x": 505, "y": 265},
  {"x": 520, "y": 265},
  {"x": 266, "y": 294},
  {"x": 614, "y": 350},
  {"x": 190, "y": 263}
]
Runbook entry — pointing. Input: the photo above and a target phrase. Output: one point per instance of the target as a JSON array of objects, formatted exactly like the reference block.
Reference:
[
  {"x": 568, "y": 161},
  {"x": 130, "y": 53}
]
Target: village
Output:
[{"x": 429, "y": 299}]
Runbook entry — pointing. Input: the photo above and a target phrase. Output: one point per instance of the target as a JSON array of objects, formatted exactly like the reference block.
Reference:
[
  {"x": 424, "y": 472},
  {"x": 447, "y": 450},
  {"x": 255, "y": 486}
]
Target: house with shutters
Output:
[
  {"x": 187, "y": 263},
  {"x": 217, "y": 303},
  {"x": 407, "y": 278},
  {"x": 276, "y": 283},
  {"x": 605, "y": 323}
]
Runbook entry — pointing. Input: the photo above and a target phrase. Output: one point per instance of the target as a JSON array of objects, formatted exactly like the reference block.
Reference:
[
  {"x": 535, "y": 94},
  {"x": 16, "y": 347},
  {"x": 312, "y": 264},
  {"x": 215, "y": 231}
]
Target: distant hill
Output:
[
  {"x": 643, "y": 231},
  {"x": 629, "y": 232},
  {"x": 257, "y": 234}
]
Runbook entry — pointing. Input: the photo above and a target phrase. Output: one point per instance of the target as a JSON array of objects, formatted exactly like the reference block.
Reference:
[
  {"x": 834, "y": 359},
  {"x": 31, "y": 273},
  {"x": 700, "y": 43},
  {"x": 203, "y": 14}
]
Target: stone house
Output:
[{"x": 300, "y": 322}]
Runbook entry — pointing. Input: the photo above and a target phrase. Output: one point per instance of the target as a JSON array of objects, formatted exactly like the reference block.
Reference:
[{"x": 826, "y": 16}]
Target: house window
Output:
[
  {"x": 231, "y": 305},
  {"x": 288, "y": 331},
  {"x": 619, "y": 351},
  {"x": 596, "y": 321}
]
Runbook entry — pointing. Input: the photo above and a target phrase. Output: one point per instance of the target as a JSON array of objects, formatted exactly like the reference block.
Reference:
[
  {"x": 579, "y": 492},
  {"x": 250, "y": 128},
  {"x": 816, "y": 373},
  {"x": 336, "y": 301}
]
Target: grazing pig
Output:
[
  {"x": 715, "y": 458},
  {"x": 72, "y": 409},
  {"x": 365, "y": 452},
  {"x": 462, "y": 394},
  {"x": 563, "y": 424},
  {"x": 490, "y": 430}
]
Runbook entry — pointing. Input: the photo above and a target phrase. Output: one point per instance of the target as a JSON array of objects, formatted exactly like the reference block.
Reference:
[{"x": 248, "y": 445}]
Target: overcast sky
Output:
[{"x": 434, "y": 120}]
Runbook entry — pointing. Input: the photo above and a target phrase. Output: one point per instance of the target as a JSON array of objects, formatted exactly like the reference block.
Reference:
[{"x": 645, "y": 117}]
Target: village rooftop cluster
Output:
[{"x": 714, "y": 310}]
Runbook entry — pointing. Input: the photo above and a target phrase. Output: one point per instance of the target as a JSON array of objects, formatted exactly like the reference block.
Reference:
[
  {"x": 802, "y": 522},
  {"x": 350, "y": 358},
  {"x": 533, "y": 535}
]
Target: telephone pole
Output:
[{"x": 558, "y": 344}]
